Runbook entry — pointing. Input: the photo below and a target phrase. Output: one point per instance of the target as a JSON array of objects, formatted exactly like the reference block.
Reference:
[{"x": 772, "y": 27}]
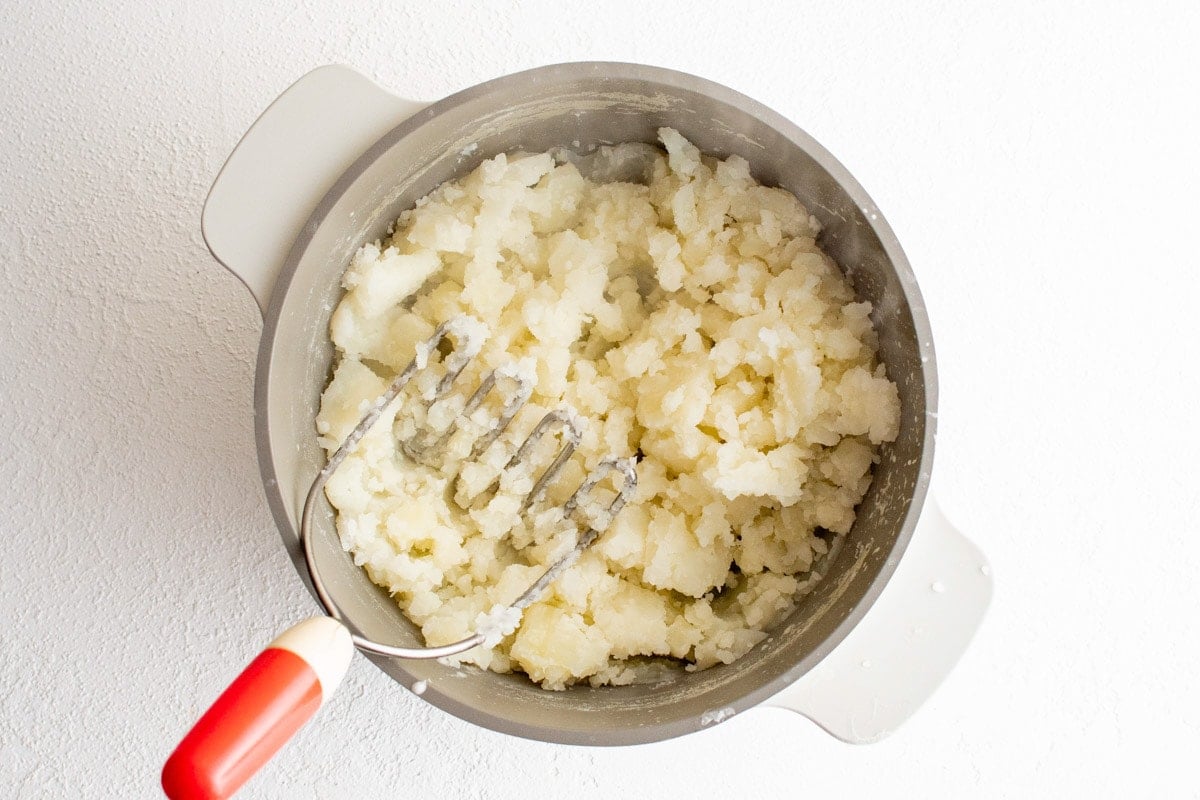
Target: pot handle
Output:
[
  {"x": 260, "y": 711},
  {"x": 286, "y": 163},
  {"x": 895, "y": 658}
]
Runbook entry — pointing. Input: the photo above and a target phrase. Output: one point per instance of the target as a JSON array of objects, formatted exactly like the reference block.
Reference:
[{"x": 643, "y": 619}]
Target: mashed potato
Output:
[{"x": 693, "y": 323}]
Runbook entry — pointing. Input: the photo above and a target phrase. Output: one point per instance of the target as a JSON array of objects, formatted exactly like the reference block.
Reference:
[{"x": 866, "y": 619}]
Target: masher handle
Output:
[{"x": 260, "y": 711}]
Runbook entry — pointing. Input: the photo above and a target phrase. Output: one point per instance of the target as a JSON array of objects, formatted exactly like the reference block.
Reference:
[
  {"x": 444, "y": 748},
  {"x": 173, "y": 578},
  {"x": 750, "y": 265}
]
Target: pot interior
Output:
[{"x": 581, "y": 106}]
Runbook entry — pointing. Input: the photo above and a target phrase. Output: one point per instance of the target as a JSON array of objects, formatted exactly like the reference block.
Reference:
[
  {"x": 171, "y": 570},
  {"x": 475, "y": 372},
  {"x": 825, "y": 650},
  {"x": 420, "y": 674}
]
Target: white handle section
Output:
[
  {"x": 286, "y": 162},
  {"x": 325, "y": 645},
  {"x": 908, "y": 642}
]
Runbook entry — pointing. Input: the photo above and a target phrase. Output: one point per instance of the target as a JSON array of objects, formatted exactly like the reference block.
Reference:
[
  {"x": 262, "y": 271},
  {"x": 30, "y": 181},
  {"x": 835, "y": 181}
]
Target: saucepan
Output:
[{"x": 336, "y": 158}]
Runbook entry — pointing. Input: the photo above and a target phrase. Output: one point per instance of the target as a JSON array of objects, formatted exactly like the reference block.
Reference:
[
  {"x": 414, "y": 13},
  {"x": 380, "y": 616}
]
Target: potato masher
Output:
[{"x": 282, "y": 688}]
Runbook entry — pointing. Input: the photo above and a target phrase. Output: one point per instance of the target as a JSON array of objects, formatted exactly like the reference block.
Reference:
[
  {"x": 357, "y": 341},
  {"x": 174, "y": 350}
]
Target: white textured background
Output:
[{"x": 1039, "y": 165}]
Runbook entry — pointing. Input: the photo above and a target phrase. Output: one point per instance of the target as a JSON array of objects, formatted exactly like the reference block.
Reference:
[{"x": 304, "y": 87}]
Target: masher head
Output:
[{"x": 513, "y": 388}]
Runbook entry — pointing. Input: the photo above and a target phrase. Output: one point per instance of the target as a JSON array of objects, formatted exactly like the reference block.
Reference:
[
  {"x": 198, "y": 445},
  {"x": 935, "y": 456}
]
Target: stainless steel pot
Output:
[{"x": 361, "y": 155}]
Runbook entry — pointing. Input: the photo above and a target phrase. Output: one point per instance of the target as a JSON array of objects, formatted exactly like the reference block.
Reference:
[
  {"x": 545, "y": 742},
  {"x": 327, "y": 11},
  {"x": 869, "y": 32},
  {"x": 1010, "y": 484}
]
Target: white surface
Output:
[{"x": 1032, "y": 161}]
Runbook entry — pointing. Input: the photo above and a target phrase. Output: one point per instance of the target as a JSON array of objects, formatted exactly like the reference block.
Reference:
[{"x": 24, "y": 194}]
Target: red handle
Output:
[{"x": 263, "y": 707}]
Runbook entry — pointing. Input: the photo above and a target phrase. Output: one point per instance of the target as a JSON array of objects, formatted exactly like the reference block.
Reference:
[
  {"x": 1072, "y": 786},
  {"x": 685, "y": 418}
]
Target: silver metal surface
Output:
[
  {"x": 570, "y": 440},
  {"x": 518, "y": 395},
  {"x": 593, "y": 104},
  {"x": 628, "y": 487},
  {"x": 455, "y": 362}
]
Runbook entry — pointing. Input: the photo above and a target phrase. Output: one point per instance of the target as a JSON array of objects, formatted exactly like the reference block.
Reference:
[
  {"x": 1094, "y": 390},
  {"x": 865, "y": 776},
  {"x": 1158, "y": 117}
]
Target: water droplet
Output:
[
  {"x": 419, "y": 687},
  {"x": 984, "y": 569},
  {"x": 938, "y": 586},
  {"x": 866, "y": 663}
]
